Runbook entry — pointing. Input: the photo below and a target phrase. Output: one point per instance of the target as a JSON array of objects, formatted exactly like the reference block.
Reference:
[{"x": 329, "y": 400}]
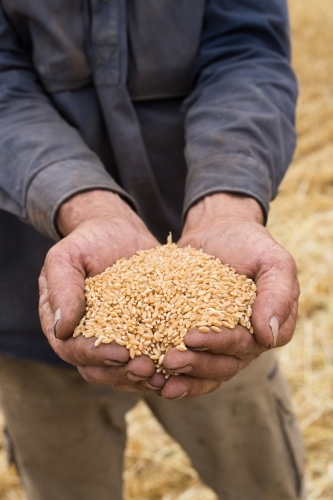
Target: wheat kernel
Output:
[{"x": 149, "y": 302}]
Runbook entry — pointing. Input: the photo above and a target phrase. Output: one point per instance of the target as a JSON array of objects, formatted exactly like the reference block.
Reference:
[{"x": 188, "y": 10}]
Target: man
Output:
[{"x": 98, "y": 101}]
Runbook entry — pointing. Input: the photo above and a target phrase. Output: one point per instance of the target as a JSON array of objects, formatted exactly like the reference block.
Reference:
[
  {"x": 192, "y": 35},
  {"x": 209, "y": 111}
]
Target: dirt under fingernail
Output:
[
  {"x": 198, "y": 349},
  {"x": 134, "y": 378},
  {"x": 152, "y": 387},
  {"x": 110, "y": 362},
  {"x": 184, "y": 369},
  {"x": 185, "y": 393}
]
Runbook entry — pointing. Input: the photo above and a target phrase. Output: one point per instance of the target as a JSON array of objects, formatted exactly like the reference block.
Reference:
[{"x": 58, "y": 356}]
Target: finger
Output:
[
  {"x": 138, "y": 369},
  {"x": 204, "y": 365},
  {"x": 238, "y": 342},
  {"x": 156, "y": 382},
  {"x": 83, "y": 352},
  {"x": 109, "y": 376},
  {"x": 80, "y": 352},
  {"x": 277, "y": 294},
  {"x": 288, "y": 327},
  {"x": 184, "y": 387},
  {"x": 45, "y": 312},
  {"x": 133, "y": 374},
  {"x": 63, "y": 276}
]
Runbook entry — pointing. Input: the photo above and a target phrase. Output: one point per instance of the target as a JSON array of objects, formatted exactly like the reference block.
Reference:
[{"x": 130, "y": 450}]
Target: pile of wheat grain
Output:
[{"x": 149, "y": 302}]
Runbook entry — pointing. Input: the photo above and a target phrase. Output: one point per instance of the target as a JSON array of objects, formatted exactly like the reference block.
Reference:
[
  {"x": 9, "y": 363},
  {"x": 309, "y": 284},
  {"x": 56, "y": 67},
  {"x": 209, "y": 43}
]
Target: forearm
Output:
[
  {"x": 44, "y": 161},
  {"x": 239, "y": 120}
]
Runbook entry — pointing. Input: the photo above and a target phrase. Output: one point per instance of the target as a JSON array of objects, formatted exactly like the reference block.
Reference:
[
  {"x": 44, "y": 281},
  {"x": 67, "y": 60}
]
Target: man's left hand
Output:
[{"x": 230, "y": 228}]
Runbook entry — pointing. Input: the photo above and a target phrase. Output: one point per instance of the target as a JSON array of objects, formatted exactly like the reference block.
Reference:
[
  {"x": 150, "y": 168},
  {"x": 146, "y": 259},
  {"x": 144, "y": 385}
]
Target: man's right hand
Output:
[{"x": 98, "y": 228}]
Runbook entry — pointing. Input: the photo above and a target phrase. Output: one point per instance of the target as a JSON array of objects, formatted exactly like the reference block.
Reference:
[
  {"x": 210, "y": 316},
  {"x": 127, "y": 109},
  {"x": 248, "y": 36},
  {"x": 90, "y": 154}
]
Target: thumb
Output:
[
  {"x": 63, "y": 281},
  {"x": 274, "y": 311}
]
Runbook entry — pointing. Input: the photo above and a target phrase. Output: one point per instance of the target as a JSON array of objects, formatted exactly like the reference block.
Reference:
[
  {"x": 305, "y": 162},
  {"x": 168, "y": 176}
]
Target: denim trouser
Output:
[{"x": 69, "y": 436}]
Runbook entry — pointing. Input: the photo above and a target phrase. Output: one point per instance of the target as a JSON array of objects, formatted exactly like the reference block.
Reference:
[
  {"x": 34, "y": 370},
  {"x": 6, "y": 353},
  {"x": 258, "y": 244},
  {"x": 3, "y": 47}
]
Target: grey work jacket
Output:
[{"x": 162, "y": 101}]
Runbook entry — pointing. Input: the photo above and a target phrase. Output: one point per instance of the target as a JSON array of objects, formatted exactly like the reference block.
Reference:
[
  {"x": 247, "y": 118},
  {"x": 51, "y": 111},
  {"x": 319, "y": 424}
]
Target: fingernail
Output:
[
  {"x": 134, "y": 378},
  {"x": 274, "y": 324},
  {"x": 150, "y": 386},
  {"x": 198, "y": 349},
  {"x": 185, "y": 369},
  {"x": 181, "y": 396},
  {"x": 57, "y": 316},
  {"x": 110, "y": 362}
]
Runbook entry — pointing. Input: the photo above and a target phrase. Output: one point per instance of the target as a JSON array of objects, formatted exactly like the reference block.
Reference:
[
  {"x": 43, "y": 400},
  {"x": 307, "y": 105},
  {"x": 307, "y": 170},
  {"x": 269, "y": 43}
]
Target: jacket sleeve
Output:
[
  {"x": 239, "y": 122},
  {"x": 43, "y": 160}
]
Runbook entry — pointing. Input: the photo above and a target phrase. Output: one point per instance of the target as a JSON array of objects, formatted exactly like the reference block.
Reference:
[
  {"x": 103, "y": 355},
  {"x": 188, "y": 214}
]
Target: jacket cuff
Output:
[
  {"x": 53, "y": 185},
  {"x": 236, "y": 174}
]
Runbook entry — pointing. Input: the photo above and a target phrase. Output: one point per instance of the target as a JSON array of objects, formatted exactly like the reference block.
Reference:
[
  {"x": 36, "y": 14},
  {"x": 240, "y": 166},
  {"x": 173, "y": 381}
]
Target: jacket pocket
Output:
[
  {"x": 164, "y": 37},
  {"x": 54, "y": 34}
]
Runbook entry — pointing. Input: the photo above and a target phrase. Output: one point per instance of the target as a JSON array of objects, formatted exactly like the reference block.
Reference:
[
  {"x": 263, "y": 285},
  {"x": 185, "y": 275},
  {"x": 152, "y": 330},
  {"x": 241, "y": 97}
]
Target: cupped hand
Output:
[
  {"x": 99, "y": 228},
  {"x": 230, "y": 228}
]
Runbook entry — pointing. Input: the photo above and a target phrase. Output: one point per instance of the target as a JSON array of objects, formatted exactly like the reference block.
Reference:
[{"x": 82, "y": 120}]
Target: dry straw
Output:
[{"x": 149, "y": 302}]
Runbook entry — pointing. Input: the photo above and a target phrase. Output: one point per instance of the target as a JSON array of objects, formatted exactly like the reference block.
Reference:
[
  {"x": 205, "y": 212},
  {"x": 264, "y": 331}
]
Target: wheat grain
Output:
[{"x": 149, "y": 302}]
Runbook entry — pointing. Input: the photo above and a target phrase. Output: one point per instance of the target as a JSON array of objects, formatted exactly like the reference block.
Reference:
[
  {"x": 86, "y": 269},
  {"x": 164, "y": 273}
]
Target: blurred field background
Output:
[{"x": 302, "y": 220}]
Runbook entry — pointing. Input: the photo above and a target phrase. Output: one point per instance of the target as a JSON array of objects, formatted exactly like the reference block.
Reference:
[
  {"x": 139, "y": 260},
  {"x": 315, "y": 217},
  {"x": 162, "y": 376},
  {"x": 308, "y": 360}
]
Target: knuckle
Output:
[
  {"x": 296, "y": 290},
  {"x": 52, "y": 254},
  {"x": 88, "y": 374},
  {"x": 231, "y": 374},
  {"x": 212, "y": 386},
  {"x": 279, "y": 260},
  {"x": 235, "y": 366},
  {"x": 60, "y": 254},
  {"x": 42, "y": 285},
  {"x": 52, "y": 295}
]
